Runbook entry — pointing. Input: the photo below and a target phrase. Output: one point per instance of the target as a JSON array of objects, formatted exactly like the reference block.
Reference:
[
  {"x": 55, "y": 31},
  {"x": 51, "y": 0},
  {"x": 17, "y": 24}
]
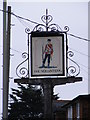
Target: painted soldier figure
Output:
[{"x": 48, "y": 52}]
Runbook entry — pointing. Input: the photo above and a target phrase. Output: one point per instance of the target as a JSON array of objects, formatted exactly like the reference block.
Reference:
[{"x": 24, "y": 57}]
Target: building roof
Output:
[{"x": 78, "y": 98}]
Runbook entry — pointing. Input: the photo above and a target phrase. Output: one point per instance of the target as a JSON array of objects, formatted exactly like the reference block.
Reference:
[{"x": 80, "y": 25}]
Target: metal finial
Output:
[{"x": 46, "y": 19}]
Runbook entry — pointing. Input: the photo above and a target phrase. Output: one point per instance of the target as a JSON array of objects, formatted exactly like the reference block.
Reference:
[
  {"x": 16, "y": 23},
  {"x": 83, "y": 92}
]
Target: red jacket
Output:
[{"x": 48, "y": 49}]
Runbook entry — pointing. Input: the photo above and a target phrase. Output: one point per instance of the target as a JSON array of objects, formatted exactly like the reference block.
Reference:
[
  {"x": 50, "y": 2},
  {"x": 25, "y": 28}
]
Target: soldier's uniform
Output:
[{"x": 48, "y": 52}]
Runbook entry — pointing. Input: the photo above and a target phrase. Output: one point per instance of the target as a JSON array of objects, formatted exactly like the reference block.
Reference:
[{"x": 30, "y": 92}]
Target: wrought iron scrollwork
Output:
[
  {"x": 46, "y": 19},
  {"x": 66, "y": 28},
  {"x": 54, "y": 27},
  {"x": 39, "y": 27},
  {"x": 27, "y": 30},
  {"x": 73, "y": 70},
  {"x": 49, "y": 18},
  {"x": 20, "y": 70}
]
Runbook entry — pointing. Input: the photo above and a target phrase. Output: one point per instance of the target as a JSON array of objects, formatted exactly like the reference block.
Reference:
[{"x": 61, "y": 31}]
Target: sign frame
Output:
[{"x": 39, "y": 38}]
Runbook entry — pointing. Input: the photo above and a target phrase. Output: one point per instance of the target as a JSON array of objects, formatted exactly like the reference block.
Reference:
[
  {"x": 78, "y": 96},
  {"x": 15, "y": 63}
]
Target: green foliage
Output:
[{"x": 27, "y": 103}]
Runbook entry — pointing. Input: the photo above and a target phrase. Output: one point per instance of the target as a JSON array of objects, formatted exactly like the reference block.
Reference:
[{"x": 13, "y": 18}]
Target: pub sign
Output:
[{"x": 47, "y": 54}]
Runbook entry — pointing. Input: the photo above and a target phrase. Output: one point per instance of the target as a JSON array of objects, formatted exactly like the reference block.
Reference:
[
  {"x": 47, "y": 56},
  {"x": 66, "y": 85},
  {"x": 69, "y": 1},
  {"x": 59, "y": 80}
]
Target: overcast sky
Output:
[{"x": 72, "y": 14}]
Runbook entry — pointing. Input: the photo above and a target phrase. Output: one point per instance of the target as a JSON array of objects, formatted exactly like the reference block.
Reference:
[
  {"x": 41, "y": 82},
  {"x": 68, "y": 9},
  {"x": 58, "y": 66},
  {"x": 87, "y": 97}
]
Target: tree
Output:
[{"x": 27, "y": 103}]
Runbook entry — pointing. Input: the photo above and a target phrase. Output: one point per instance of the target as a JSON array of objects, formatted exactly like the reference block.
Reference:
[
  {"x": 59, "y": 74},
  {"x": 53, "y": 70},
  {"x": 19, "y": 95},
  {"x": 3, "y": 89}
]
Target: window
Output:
[
  {"x": 78, "y": 110},
  {"x": 70, "y": 113}
]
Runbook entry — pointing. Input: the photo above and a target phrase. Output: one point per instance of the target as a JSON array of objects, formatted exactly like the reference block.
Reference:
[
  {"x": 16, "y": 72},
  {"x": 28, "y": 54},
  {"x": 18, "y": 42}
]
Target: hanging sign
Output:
[{"x": 47, "y": 54}]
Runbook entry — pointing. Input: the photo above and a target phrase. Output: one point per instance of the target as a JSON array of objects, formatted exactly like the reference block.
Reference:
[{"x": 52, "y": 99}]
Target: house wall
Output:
[
  {"x": 80, "y": 109},
  {"x": 84, "y": 109},
  {"x": 74, "y": 111}
]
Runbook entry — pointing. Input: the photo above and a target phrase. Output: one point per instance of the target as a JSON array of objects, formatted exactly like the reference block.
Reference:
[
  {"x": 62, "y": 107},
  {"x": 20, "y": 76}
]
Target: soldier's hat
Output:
[{"x": 49, "y": 40}]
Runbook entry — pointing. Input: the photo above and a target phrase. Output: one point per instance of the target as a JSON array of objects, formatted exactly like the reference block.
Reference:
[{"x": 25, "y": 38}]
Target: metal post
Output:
[
  {"x": 4, "y": 63},
  {"x": 8, "y": 39},
  {"x": 6, "y": 58},
  {"x": 8, "y": 46},
  {"x": 46, "y": 19}
]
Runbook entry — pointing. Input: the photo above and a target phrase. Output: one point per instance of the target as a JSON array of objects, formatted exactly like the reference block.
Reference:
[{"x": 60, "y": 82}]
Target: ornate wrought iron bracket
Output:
[
  {"x": 22, "y": 71},
  {"x": 47, "y": 19},
  {"x": 46, "y": 26},
  {"x": 73, "y": 70}
]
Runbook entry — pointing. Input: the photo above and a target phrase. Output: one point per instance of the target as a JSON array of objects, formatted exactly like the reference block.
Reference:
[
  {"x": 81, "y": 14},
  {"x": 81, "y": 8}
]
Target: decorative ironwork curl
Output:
[
  {"x": 66, "y": 28},
  {"x": 54, "y": 27},
  {"x": 27, "y": 30},
  {"x": 70, "y": 53},
  {"x": 39, "y": 27},
  {"x": 49, "y": 27},
  {"x": 49, "y": 18},
  {"x": 22, "y": 71},
  {"x": 73, "y": 70}
]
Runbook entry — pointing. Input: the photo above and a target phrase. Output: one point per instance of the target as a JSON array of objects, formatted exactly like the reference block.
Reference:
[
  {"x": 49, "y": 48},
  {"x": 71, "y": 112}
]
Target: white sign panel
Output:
[{"x": 47, "y": 54}]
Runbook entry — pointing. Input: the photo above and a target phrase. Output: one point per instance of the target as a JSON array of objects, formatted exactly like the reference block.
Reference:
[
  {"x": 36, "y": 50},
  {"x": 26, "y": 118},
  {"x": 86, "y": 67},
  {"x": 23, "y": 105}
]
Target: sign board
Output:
[{"x": 47, "y": 54}]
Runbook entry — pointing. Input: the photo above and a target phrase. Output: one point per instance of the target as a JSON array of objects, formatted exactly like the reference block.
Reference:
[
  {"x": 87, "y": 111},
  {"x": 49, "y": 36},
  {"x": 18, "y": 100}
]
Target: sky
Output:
[{"x": 72, "y": 14}]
